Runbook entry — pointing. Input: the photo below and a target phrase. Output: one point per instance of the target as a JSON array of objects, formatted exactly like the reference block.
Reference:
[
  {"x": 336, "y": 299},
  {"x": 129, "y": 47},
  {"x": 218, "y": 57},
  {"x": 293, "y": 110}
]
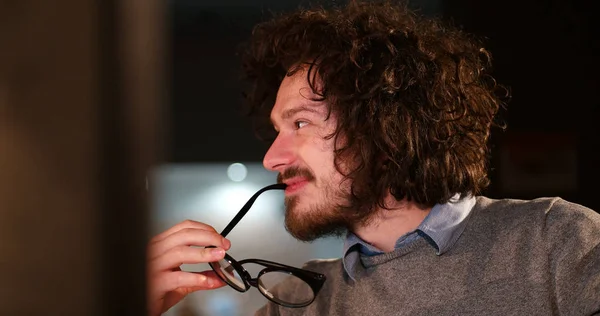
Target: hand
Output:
[{"x": 167, "y": 284}]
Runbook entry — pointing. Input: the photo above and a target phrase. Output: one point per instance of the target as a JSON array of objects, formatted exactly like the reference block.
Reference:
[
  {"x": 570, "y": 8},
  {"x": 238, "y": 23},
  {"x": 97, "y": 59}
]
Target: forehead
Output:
[{"x": 295, "y": 95}]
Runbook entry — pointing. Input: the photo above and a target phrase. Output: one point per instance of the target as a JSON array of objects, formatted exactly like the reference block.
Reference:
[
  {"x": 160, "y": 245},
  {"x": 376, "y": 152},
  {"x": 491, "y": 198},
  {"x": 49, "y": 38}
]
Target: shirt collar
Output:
[
  {"x": 442, "y": 227},
  {"x": 446, "y": 222}
]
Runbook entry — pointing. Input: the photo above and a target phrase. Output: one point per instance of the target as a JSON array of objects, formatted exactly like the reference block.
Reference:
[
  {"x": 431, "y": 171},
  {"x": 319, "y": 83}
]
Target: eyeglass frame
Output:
[{"x": 313, "y": 279}]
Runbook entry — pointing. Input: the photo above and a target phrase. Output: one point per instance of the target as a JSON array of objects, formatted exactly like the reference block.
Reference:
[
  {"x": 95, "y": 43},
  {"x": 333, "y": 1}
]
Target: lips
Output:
[{"x": 295, "y": 185}]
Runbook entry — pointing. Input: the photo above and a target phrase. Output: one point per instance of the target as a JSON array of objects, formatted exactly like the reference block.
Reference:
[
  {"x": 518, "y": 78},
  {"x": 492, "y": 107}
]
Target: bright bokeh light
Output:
[
  {"x": 237, "y": 172},
  {"x": 227, "y": 199},
  {"x": 221, "y": 203}
]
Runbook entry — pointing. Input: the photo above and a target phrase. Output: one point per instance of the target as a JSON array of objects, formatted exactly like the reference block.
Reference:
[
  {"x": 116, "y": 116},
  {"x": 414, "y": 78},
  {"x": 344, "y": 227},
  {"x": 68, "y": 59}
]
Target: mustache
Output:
[{"x": 292, "y": 172}]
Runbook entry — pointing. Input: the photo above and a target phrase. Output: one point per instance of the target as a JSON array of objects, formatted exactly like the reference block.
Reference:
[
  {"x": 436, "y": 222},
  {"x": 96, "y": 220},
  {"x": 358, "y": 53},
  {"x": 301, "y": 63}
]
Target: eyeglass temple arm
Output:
[
  {"x": 246, "y": 207},
  {"x": 271, "y": 264}
]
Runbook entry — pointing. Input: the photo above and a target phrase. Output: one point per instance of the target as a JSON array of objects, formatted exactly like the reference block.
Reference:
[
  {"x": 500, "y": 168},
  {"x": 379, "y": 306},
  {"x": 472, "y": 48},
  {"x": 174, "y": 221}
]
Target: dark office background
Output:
[
  {"x": 544, "y": 51},
  {"x": 81, "y": 92}
]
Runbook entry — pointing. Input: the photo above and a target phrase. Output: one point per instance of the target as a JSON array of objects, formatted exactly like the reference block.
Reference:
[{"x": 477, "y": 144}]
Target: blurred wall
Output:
[
  {"x": 48, "y": 158},
  {"x": 80, "y": 85}
]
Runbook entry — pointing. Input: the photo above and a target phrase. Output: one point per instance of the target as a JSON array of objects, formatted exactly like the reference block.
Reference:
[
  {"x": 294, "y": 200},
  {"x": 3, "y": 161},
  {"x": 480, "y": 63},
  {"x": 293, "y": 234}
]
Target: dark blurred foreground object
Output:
[{"x": 80, "y": 96}]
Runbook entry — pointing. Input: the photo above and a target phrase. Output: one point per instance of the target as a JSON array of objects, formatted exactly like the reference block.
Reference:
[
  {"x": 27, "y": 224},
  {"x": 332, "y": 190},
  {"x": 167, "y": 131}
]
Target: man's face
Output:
[{"x": 303, "y": 155}]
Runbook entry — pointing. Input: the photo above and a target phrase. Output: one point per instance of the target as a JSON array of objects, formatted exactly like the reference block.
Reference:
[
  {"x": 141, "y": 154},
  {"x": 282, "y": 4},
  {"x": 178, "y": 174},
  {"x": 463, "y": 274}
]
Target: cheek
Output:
[
  {"x": 316, "y": 149},
  {"x": 322, "y": 144},
  {"x": 323, "y": 149}
]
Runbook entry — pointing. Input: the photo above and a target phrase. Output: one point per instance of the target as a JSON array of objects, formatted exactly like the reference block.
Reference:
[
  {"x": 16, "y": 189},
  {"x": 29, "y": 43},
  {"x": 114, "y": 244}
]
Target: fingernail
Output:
[
  {"x": 226, "y": 243},
  {"x": 217, "y": 252}
]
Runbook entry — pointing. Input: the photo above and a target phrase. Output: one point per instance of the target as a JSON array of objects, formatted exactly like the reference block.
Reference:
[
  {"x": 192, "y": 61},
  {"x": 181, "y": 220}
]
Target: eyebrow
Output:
[{"x": 293, "y": 111}]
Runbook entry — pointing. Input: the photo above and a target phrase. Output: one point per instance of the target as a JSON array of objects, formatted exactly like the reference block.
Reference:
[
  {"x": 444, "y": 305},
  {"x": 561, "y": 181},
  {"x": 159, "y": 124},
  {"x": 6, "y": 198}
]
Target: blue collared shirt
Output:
[{"x": 441, "y": 228}]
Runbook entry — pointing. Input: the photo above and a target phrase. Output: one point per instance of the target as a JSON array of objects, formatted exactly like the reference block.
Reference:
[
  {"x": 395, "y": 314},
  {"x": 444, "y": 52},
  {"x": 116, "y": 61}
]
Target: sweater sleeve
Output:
[{"x": 573, "y": 235}]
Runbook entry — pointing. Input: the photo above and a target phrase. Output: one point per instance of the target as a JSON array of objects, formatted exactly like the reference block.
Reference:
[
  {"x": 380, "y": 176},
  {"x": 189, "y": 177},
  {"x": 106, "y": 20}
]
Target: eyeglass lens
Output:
[
  {"x": 228, "y": 273},
  {"x": 267, "y": 284}
]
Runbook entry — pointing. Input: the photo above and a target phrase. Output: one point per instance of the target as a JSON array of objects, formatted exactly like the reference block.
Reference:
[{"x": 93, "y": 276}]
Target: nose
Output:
[{"x": 280, "y": 154}]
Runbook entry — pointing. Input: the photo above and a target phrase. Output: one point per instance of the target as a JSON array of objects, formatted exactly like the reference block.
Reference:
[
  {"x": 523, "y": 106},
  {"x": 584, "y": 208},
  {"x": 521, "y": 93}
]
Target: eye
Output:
[{"x": 300, "y": 124}]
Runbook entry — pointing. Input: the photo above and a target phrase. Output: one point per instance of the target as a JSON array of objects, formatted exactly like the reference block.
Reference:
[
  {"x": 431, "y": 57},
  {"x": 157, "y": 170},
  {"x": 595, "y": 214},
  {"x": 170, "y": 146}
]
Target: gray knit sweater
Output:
[{"x": 539, "y": 257}]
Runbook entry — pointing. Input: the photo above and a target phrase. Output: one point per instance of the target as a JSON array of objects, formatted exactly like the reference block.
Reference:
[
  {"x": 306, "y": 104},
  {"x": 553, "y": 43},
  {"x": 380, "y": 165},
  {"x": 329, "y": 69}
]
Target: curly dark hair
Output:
[{"x": 403, "y": 87}]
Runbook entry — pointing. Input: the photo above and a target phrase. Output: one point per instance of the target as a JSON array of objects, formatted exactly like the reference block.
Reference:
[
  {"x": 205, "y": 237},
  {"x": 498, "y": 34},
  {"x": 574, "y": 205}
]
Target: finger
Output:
[
  {"x": 177, "y": 256},
  {"x": 188, "y": 237},
  {"x": 171, "y": 281},
  {"x": 183, "y": 225},
  {"x": 173, "y": 297},
  {"x": 216, "y": 282}
]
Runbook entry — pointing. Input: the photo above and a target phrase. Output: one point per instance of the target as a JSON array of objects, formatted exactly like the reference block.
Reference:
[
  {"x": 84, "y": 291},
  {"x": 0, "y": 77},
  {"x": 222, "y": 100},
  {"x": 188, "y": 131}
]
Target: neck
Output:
[{"x": 388, "y": 225}]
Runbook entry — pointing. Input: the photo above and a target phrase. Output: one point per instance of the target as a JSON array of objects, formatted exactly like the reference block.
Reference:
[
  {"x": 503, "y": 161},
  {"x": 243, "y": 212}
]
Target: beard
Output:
[
  {"x": 331, "y": 215},
  {"x": 315, "y": 221}
]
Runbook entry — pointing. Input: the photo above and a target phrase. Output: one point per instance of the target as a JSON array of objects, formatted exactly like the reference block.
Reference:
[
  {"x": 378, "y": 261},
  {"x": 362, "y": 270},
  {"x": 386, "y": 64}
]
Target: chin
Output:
[
  {"x": 311, "y": 231},
  {"x": 308, "y": 224}
]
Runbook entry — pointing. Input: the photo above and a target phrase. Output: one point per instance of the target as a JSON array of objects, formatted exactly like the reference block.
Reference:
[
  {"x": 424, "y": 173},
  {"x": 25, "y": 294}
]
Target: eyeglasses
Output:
[{"x": 271, "y": 280}]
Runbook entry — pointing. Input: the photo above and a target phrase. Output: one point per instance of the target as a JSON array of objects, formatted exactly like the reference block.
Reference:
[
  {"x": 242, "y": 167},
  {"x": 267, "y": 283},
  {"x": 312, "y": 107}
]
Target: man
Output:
[{"x": 381, "y": 123}]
